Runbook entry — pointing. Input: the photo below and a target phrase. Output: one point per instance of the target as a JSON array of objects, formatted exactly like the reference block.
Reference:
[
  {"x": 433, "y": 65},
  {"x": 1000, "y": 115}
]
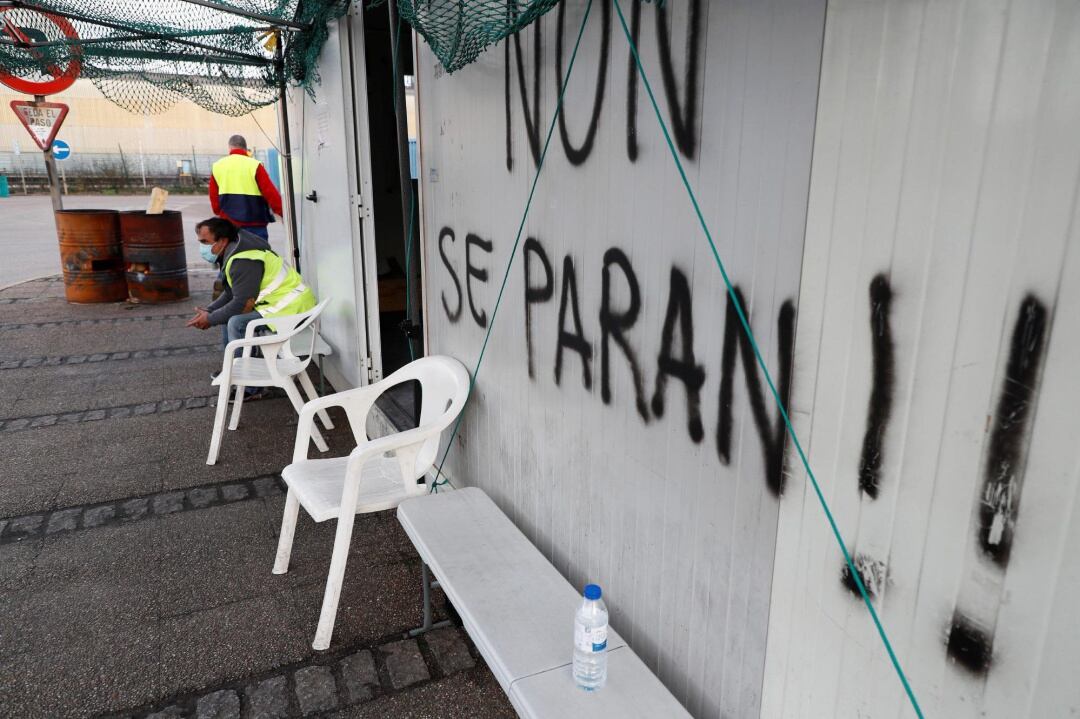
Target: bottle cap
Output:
[{"x": 592, "y": 591}]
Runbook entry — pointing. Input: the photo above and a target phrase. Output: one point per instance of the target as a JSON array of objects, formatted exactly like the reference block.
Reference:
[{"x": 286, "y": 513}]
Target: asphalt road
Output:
[{"x": 28, "y": 243}]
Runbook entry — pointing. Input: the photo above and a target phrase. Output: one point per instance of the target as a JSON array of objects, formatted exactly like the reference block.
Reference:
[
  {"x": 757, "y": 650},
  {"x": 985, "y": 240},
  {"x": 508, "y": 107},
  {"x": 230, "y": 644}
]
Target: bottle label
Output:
[{"x": 590, "y": 640}]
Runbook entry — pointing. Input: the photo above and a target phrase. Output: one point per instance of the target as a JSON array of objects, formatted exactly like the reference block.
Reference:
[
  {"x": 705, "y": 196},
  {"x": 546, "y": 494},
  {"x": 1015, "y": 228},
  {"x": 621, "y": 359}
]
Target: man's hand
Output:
[{"x": 201, "y": 320}]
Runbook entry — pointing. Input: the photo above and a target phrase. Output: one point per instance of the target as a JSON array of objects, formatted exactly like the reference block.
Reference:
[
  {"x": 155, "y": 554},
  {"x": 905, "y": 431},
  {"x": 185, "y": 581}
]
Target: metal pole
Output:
[
  {"x": 50, "y": 171},
  {"x": 63, "y": 177},
  {"x": 404, "y": 179},
  {"x": 177, "y": 38},
  {"x": 142, "y": 163},
  {"x": 428, "y": 625},
  {"x": 123, "y": 165},
  {"x": 54, "y": 185},
  {"x": 427, "y": 595},
  {"x": 284, "y": 140}
]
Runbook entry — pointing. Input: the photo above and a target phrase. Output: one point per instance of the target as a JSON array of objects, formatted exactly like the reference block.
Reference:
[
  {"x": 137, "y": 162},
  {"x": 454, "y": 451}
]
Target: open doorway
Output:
[{"x": 394, "y": 198}]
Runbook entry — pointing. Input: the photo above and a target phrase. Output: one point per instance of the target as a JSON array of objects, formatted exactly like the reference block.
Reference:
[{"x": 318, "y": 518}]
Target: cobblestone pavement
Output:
[{"x": 135, "y": 580}]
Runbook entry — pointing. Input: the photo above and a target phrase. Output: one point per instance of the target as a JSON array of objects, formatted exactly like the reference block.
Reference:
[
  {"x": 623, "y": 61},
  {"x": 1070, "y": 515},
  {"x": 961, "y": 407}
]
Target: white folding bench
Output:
[{"x": 519, "y": 612}]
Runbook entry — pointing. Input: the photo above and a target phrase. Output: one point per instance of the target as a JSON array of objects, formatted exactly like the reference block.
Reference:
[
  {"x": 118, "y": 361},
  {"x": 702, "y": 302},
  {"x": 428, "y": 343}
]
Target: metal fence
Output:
[{"x": 113, "y": 171}]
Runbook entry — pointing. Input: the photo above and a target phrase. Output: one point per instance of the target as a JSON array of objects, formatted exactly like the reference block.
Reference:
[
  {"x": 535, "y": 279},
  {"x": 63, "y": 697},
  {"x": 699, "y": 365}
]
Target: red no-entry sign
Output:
[
  {"x": 62, "y": 77},
  {"x": 41, "y": 119}
]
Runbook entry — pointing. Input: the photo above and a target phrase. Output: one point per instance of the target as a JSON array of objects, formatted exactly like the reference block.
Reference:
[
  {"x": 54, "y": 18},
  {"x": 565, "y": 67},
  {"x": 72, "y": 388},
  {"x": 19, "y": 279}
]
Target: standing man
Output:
[{"x": 241, "y": 190}]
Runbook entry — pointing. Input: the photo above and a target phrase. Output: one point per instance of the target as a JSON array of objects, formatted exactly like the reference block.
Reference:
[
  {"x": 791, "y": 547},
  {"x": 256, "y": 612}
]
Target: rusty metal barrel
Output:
[
  {"x": 90, "y": 255},
  {"x": 154, "y": 257}
]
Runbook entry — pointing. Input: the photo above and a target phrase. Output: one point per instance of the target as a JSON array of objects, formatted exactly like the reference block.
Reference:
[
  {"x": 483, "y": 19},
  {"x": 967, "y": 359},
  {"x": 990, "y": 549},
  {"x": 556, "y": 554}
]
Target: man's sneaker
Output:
[{"x": 214, "y": 376}]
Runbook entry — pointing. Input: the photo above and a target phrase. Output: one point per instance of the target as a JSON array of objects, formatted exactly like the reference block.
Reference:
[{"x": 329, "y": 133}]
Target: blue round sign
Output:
[{"x": 61, "y": 150}]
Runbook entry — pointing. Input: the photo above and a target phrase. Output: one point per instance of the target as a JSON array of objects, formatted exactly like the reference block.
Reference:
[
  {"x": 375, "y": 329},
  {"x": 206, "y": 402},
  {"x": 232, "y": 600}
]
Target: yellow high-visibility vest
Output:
[
  {"x": 239, "y": 195},
  {"x": 282, "y": 291}
]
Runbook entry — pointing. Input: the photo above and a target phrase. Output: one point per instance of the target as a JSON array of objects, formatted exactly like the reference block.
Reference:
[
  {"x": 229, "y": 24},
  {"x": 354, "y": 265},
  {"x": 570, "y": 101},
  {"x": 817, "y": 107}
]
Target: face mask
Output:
[{"x": 207, "y": 253}]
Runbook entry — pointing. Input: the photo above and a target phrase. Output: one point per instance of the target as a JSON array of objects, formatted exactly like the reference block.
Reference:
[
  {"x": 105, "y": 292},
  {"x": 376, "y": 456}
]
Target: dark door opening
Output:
[{"x": 398, "y": 259}]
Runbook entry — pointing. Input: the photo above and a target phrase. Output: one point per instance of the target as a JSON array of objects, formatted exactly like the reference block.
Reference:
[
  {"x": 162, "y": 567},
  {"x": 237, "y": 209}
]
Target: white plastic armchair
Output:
[
  {"x": 369, "y": 479},
  {"x": 278, "y": 367},
  {"x": 302, "y": 342}
]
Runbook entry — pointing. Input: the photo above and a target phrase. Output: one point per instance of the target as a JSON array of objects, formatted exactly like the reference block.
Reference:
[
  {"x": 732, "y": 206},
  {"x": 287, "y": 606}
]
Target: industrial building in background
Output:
[{"x": 115, "y": 150}]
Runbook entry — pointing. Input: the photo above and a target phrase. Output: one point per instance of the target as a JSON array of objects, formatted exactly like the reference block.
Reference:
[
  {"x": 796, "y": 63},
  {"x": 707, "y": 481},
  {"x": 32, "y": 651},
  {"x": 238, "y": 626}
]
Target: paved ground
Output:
[
  {"x": 135, "y": 580},
  {"x": 30, "y": 248}
]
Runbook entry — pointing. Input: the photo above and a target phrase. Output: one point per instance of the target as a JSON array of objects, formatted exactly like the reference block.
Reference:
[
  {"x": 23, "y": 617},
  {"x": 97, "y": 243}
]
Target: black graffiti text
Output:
[{"x": 683, "y": 103}]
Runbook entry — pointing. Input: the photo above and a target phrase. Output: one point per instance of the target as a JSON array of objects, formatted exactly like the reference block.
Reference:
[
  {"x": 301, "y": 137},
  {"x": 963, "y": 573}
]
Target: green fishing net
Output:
[
  {"x": 457, "y": 31},
  {"x": 145, "y": 55}
]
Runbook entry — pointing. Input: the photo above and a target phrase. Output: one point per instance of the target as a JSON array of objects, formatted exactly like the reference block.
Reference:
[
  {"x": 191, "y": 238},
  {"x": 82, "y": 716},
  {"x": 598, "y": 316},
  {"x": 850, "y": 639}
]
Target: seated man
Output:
[{"x": 257, "y": 281}]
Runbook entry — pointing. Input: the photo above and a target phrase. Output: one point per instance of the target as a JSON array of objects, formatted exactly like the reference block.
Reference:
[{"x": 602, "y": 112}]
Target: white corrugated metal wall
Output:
[
  {"x": 934, "y": 379},
  {"x": 936, "y": 362},
  {"x": 652, "y": 492}
]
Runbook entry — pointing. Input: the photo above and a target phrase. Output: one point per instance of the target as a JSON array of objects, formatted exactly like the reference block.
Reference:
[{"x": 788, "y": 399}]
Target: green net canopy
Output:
[
  {"x": 145, "y": 55},
  {"x": 224, "y": 55},
  {"x": 457, "y": 31}
]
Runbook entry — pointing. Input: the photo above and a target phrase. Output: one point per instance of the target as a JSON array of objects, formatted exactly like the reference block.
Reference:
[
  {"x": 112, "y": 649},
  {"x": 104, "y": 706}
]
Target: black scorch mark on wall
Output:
[
  {"x": 969, "y": 645},
  {"x": 881, "y": 393},
  {"x": 1007, "y": 457},
  {"x": 771, "y": 433},
  {"x": 872, "y": 573}
]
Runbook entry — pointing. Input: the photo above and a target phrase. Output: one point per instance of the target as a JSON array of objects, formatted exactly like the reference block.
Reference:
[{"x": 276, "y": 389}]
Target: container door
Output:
[{"x": 336, "y": 241}]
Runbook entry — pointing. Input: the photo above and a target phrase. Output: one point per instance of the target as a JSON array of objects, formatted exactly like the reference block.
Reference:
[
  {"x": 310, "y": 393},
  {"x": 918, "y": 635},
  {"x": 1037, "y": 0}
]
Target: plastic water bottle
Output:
[{"x": 590, "y": 641}]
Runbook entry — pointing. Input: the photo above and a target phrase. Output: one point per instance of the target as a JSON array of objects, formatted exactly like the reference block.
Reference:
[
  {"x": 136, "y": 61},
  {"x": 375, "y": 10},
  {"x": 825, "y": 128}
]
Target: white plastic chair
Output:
[
  {"x": 301, "y": 344},
  {"x": 368, "y": 480},
  {"x": 278, "y": 367},
  {"x": 321, "y": 348}
]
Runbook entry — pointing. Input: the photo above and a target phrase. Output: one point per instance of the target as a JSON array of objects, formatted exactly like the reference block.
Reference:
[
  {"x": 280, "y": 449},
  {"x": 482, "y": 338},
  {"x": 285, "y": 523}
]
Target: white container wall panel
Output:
[
  {"x": 323, "y": 131},
  {"x": 617, "y": 418},
  {"x": 935, "y": 384}
]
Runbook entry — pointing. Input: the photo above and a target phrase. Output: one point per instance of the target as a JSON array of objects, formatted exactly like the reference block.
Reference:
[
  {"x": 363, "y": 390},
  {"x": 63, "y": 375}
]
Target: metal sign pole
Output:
[
  {"x": 142, "y": 163},
  {"x": 50, "y": 170}
]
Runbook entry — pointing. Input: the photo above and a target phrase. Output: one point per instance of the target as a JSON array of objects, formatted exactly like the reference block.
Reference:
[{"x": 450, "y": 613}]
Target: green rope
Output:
[
  {"x": 764, "y": 368},
  {"x": 513, "y": 252}
]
